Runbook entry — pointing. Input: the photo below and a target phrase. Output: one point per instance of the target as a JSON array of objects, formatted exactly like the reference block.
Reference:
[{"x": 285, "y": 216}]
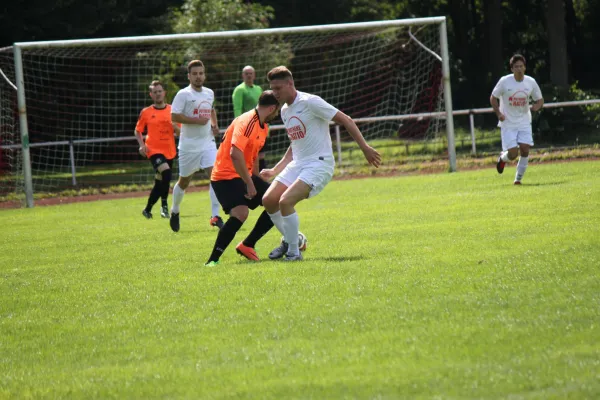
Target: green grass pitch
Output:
[{"x": 433, "y": 286}]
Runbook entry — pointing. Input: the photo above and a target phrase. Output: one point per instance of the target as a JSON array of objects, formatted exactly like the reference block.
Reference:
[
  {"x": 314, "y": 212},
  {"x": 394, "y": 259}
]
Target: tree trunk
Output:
[
  {"x": 557, "y": 42},
  {"x": 574, "y": 41},
  {"x": 460, "y": 25},
  {"x": 493, "y": 11}
]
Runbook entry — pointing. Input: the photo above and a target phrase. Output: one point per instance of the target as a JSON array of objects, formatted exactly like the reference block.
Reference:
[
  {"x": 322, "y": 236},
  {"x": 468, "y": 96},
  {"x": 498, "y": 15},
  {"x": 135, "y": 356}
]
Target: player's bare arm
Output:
[
  {"x": 140, "y": 138},
  {"x": 255, "y": 170},
  {"x": 239, "y": 163},
  {"x": 182, "y": 119},
  {"x": 214, "y": 123},
  {"x": 496, "y": 106},
  {"x": 537, "y": 105},
  {"x": 176, "y": 129},
  {"x": 372, "y": 156},
  {"x": 269, "y": 173}
]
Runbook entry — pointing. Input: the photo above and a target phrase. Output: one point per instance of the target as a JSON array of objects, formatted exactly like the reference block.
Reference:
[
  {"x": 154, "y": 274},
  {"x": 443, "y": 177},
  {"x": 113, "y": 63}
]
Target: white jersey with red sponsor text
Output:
[
  {"x": 306, "y": 121},
  {"x": 194, "y": 104},
  {"x": 514, "y": 100}
]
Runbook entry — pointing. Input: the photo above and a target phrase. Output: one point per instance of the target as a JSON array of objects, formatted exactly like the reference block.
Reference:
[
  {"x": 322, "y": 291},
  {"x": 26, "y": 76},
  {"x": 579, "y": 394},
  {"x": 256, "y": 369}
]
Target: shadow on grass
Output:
[
  {"x": 336, "y": 258},
  {"x": 544, "y": 183},
  {"x": 265, "y": 261}
]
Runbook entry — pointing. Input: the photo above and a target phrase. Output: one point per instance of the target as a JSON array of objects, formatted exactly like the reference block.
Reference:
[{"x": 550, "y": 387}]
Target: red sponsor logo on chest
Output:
[{"x": 295, "y": 129}]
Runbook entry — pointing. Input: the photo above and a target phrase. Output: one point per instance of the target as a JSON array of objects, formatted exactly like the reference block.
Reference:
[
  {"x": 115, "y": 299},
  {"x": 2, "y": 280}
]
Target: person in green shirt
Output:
[
  {"x": 245, "y": 98},
  {"x": 246, "y": 94}
]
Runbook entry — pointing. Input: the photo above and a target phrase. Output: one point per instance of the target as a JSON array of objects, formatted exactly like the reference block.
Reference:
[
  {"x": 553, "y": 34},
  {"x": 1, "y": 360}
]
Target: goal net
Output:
[{"x": 83, "y": 97}]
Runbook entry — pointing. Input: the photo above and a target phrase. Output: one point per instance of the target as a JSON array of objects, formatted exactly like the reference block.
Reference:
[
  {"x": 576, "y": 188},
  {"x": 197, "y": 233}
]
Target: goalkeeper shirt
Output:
[{"x": 245, "y": 98}]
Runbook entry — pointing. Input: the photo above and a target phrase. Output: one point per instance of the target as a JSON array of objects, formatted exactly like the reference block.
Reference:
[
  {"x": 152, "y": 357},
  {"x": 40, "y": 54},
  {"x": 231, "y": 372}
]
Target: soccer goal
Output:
[{"x": 68, "y": 108}]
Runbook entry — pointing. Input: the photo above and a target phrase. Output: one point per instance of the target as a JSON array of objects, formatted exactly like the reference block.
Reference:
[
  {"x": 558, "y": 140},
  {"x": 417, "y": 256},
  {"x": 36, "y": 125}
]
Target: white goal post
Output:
[{"x": 83, "y": 96}]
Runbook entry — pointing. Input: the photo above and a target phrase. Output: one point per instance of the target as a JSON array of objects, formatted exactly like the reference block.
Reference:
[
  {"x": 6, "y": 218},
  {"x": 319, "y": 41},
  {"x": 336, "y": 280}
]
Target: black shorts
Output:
[
  {"x": 157, "y": 159},
  {"x": 230, "y": 193}
]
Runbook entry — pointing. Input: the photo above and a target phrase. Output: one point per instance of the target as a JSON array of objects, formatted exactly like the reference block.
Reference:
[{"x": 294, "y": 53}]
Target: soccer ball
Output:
[{"x": 302, "y": 241}]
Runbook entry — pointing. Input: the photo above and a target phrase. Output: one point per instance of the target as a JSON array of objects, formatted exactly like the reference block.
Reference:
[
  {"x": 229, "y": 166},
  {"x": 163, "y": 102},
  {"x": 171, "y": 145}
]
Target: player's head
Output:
[
  {"x": 196, "y": 73},
  {"x": 248, "y": 75},
  {"x": 157, "y": 92},
  {"x": 517, "y": 65},
  {"x": 282, "y": 84},
  {"x": 269, "y": 103}
]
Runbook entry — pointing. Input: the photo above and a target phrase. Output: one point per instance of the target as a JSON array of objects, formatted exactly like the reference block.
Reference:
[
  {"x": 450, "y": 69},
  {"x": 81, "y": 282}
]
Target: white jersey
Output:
[
  {"x": 514, "y": 100},
  {"x": 194, "y": 104},
  {"x": 307, "y": 123}
]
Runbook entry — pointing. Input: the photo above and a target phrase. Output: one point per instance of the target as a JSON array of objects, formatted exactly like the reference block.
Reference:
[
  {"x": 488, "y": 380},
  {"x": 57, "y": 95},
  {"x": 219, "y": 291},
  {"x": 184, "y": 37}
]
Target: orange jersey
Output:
[
  {"x": 160, "y": 137},
  {"x": 248, "y": 135}
]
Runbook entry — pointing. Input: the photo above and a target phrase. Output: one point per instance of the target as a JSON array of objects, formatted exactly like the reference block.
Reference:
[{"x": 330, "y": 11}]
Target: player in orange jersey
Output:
[
  {"x": 159, "y": 146},
  {"x": 235, "y": 180}
]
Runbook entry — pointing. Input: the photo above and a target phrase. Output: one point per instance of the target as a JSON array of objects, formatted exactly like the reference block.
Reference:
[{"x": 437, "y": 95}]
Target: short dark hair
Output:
[
  {"x": 194, "y": 63},
  {"x": 155, "y": 83},
  {"x": 280, "y": 72},
  {"x": 517, "y": 57},
  {"x": 267, "y": 98}
]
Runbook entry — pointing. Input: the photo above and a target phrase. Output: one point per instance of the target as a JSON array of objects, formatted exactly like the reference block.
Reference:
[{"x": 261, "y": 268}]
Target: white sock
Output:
[
  {"x": 291, "y": 224},
  {"x": 214, "y": 202},
  {"x": 521, "y": 167},
  {"x": 277, "y": 219},
  {"x": 177, "y": 197},
  {"x": 504, "y": 156}
]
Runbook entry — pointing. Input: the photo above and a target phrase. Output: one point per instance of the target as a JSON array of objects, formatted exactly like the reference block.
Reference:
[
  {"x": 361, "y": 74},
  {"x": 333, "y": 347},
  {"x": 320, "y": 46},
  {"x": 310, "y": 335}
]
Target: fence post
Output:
[
  {"x": 72, "y": 157},
  {"x": 338, "y": 141},
  {"x": 472, "y": 125}
]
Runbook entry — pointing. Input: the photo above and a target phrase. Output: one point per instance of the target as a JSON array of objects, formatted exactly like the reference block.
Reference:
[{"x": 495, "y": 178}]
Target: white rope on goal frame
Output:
[
  {"x": 427, "y": 49},
  {"x": 8, "y": 80}
]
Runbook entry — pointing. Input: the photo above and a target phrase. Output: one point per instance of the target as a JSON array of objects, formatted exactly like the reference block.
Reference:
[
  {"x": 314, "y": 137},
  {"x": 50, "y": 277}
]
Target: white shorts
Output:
[
  {"x": 512, "y": 137},
  {"x": 315, "y": 173},
  {"x": 192, "y": 161}
]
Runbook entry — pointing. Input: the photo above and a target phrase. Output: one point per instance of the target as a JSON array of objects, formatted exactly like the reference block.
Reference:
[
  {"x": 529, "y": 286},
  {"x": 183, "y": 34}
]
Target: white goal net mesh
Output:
[{"x": 83, "y": 100}]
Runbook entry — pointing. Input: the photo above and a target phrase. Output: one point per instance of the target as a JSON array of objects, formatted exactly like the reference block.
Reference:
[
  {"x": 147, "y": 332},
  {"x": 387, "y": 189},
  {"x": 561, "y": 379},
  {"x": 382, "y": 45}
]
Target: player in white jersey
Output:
[
  {"x": 514, "y": 114},
  {"x": 193, "y": 108},
  {"x": 308, "y": 164}
]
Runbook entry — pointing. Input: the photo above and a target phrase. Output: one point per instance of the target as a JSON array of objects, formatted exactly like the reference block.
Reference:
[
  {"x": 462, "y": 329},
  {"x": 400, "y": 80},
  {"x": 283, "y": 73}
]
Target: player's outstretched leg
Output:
[
  {"x": 166, "y": 182},
  {"x": 224, "y": 238},
  {"x": 178, "y": 193},
  {"x": 152, "y": 198},
  {"x": 521, "y": 168},
  {"x": 262, "y": 226},
  {"x": 291, "y": 225},
  {"x": 280, "y": 250},
  {"x": 215, "y": 207},
  {"x": 174, "y": 221},
  {"x": 502, "y": 160},
  {"x": 216, "y": 221}
]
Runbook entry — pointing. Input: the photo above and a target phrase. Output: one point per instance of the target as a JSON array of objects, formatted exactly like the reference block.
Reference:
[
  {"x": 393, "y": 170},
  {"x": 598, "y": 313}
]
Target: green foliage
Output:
[
  {"x": 363, "y": 10},
  {"x": 220, "y": 15},
  {"x": 567, "y": 125},
  {"x": 214, "y": 16}
]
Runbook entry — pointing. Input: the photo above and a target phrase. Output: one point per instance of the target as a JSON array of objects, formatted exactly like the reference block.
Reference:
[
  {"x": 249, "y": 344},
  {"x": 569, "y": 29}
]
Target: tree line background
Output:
[{"x": 558, "y": 37}]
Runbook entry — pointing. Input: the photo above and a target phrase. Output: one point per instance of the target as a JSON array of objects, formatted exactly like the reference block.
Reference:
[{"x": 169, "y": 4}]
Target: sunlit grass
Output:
[{"x": 428, "y": 286}]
